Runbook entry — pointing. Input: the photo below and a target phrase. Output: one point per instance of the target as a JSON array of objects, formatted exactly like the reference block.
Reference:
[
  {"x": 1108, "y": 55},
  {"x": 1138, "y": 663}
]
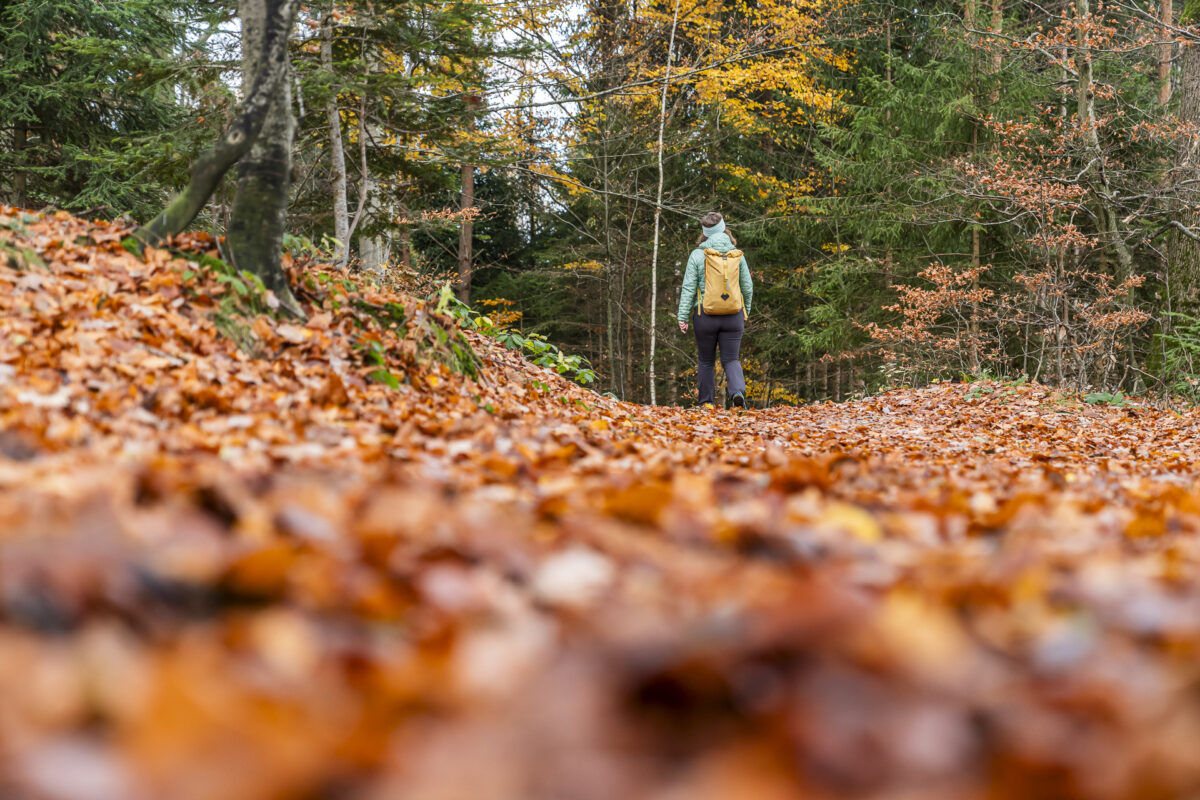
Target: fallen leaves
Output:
[{"x": 226, "y": 577}]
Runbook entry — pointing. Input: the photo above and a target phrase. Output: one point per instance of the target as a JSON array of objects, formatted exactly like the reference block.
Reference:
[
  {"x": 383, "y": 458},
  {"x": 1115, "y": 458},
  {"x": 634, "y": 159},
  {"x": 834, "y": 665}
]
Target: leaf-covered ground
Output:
[{"x": 331, "y": 564}]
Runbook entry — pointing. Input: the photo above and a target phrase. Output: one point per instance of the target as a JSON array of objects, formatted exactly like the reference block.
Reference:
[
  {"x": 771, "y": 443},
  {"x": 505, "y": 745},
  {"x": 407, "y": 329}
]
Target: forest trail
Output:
[{"x": 334, "y": 564}]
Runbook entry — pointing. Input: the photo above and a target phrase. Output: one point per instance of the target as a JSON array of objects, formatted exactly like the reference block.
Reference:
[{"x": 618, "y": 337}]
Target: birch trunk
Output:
[{"x": 662, "y": 124}]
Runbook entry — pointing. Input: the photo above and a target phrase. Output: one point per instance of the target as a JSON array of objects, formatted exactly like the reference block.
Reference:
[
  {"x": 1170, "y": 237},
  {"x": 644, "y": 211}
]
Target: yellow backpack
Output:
[{"x": 722, "y": 282}]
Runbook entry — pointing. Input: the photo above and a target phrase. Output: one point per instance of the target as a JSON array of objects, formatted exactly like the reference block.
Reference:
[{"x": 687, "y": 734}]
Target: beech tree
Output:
[
  {"x": 262, "y": 185},
  {"x": 264, "y": 171}
]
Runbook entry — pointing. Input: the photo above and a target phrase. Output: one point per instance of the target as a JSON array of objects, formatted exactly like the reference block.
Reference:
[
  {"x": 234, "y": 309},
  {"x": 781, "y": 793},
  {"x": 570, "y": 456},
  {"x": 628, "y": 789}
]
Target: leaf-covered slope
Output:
[{"x": 285, "y": 575}]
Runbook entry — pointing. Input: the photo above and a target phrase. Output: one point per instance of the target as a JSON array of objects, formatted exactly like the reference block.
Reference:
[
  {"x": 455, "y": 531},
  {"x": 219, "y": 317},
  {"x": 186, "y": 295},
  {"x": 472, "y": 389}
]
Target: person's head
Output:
[{"x": 713, "y": 223}]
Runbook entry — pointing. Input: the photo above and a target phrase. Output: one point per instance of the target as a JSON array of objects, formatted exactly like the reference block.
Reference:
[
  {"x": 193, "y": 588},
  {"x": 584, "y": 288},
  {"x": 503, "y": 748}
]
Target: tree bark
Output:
[
  {"x": 997, "y": 60},
  {"x": 465, "y": 234},
  {"x": 466, "y": 229},
  {"x": 251, "y": 116},
  {"x": 373, "y": 251},
  {"x": 610, "y": 339},
  {"x": 20, "y": 137},
  {"x": 337, "y": 150},
  {"x": 662, "y": 124},
  {"x": 1097, "y": 174},
  {"x": 629, "y": 353},
  {"x": 1183, "y": 252},
  {"x": 995, "y": 63},
  {"x": 404, "y": 237},
  {"x": 1164, "y": 53},
  {"x": 261, "y": 201}
]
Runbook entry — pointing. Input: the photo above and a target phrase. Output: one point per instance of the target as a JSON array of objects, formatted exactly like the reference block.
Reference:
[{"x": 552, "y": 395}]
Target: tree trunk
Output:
[
  {"x": 465, "y": 233},
  {"x": 970, "y": 18},
  {"x": 260, "y": 204},
  {"x": 615, "y": 283},
  {"x": 673, "y": 383},
  {"x": 629, "y": 354},
  {"x": 976, "y": 263},
  {"x": 250, "y": 118},
  {"x": 337, "y": 151},
  {"x": 1089, "y": 125},
  {"x": 662, "y": 125},
  {"x": 20, "y": 137},
  {"x": 1164, "y": 54},
  {"x": 611, "y": 323},
  {"x": 466, "y": 228},
  {"x": 405, "y": 237},
  {"x": 996, "y": 26},
  {"x": 373, "y": 251},
  {"x": 1183, "y": 253}
]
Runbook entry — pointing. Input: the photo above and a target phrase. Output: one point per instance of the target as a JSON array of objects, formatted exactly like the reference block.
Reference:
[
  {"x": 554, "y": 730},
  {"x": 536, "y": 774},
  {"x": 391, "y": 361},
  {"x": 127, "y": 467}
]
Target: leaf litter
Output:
[{"x": 334, "y": 558}]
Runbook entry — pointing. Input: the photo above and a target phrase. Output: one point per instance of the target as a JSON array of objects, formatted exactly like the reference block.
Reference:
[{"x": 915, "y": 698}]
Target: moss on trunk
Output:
[
  {"x": 260, "y": 205},
  {"x": 271, "y": 51}
]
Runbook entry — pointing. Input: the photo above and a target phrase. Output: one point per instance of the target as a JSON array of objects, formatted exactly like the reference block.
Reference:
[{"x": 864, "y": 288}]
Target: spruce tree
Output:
[{"x": 89, "y": 102}]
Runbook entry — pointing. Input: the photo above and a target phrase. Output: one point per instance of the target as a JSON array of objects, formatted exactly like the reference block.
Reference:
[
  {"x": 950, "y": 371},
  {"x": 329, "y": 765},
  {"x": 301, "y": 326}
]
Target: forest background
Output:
[{"x": 926, "y": 191}]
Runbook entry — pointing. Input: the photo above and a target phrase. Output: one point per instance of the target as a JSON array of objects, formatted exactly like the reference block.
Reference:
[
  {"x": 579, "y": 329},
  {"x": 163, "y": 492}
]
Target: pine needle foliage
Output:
[{"x": 91, "y": 97}]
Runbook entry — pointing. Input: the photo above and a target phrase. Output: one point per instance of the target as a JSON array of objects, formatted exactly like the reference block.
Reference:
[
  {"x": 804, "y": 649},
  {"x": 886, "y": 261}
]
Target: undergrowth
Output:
[
  {"x": 534, "y": 346},
  {"x": 433, "y": 326}
]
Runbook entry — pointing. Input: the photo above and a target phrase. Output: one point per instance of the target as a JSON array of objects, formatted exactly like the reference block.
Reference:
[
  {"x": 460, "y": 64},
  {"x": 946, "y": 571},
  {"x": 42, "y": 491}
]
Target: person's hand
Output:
[{"x": 683, "y": 327}]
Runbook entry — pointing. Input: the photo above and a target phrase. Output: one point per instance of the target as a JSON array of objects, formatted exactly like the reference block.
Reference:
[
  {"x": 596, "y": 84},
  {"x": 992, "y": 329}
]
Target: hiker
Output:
[{"x": 718, "y": 287}]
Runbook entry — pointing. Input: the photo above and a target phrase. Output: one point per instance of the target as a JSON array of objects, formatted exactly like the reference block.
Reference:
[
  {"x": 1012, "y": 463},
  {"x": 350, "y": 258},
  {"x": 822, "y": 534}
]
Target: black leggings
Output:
[{"x": 724, "y": 330}]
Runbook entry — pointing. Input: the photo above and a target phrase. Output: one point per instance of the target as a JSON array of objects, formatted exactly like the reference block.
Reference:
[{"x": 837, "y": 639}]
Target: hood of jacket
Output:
[{"x": 719, "y": 242}]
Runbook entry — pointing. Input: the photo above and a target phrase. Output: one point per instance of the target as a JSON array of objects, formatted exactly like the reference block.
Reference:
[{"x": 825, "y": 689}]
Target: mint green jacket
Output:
[{"x": 693, "y": 277}]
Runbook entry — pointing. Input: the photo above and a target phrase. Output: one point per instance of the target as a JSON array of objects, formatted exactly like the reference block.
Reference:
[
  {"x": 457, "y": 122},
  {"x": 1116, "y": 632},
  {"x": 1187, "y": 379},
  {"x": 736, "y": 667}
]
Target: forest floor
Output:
[{"x": 326, "y": 561}]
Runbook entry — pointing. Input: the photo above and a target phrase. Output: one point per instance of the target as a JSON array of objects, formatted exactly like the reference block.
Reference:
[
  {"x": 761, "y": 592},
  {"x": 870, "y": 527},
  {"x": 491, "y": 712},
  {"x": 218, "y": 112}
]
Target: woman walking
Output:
[{"x": 717, "y": 287}]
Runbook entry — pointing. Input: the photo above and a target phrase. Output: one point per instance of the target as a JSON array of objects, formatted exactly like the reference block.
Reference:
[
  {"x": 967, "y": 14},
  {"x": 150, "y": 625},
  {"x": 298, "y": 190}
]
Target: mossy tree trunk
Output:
[
  {"x": 275, "y": 27},
  {"x": 260, "y": 204}
]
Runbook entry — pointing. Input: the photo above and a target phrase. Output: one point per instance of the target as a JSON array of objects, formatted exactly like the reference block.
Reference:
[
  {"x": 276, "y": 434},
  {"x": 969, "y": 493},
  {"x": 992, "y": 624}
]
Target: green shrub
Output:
[
  {"x": 1181, "y": 357},
  {"x": 534, "y": 346}
]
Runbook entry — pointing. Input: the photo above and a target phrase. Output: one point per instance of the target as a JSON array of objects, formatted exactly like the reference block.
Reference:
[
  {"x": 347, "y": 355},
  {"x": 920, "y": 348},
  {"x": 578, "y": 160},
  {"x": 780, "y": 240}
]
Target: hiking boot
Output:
[{"x": 738, "y": 400}]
